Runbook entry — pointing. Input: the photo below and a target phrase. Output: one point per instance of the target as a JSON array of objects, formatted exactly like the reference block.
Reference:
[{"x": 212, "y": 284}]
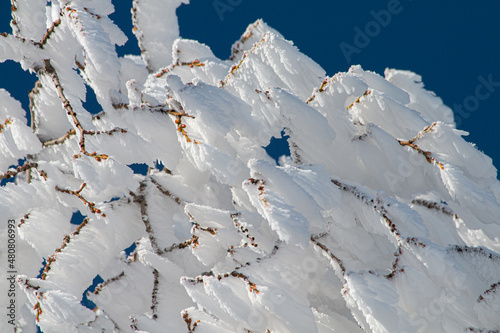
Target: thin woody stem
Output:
[
  {"x": 48, "y": 33},
  {"x": 19, "y": 169},
  {"x": 50, "y": 70},
  {"x": 91, "y": 205},
  {"x": 60, "y": 140}
]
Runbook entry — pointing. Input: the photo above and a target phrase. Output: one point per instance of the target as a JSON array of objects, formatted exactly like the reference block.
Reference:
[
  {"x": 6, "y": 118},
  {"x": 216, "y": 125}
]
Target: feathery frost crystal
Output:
[{"x": 383, "y": 219}]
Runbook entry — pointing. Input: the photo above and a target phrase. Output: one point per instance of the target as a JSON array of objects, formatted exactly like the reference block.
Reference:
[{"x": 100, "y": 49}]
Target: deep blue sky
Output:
[{"x": 449, "y": 43}]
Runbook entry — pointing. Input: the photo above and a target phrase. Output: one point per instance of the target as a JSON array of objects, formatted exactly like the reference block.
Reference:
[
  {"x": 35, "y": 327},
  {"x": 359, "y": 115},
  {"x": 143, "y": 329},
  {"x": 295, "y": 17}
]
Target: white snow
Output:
[{"x": 383, "y": 219}]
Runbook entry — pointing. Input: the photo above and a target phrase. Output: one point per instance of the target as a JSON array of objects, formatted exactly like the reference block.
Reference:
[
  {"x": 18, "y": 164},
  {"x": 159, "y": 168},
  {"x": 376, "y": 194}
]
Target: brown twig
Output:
[
  {"x": 242, "y": 229},
  {"x": 181, "y": 128},
  {"x": 294, "y": 148},
  {"x": 358, "y": 100},
  {"x": 65, "y": 243},
  {"x": 377, "y": 204},
  {"x": 395, "y": 265},
  {"x": 60, "y": 140},
  {"x": 237, "y": 49},
  {"x": 154, "y": 294},
  {"x": 196, "y": 226},
  {"x": 140, "y": 198},
  {"x": 493, "y": 289},
  {"x": 50, "y": 70},
  {"x": 8, "y": 121},
  {"x": 433, "y": 205},
  {"x": 72, "y": 132},
  {"x": 23, "y": 220},
  {"x": 139, "y": 35},
  {"x": 461, "y": 249},
  {"x": 166, "y": 192},
  {"x": 260, "y": 183},
  {"x": 252, "y": 286},
  {"x": 48, "y": 33},
  {"x": 12, "y": 173},
  {"x": 192, "y": 64},
  {"x": 265, "y": 92},
  {"x": 38, "y": 308},
  {"x": 25, "y": 282},
  {"x": 235, "y": 68},
  {"x": 192, "y": 241},
  {"x": 110, "y": 132},
  {"x": 91, "y": 205},
  {"x": 322, "y": 88},
  {"x": 32, "y": 106},
  {"x": 98, "y": 289},
  {"x": 314, "y": 240},
  {"x": 191, "y": 326},
  {"x": 427, "y": 154}
]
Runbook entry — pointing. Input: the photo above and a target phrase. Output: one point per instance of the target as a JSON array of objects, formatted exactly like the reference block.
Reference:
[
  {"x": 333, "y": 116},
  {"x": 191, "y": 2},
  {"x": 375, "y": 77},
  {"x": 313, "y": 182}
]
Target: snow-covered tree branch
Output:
[{"x": 382, "y": 219}]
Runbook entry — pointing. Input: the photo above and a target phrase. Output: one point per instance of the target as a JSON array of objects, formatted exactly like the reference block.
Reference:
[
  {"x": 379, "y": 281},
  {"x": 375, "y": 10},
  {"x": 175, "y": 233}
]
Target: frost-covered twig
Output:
[
  {"x": 154, "y": 293},
  {"x": 181, "y": 128},
  {"x": 191, "y": 325},
  {"x": 8, "y": 121},
  {"x": 110, "y": 132},
  {"x": 192, "y": 241},
  {"x": 358, "y": 100},
  {"x": 60, "y": 140},
  {"x": 333, "y": 257},
  {"x": 242, "y": 229},
  {"x": 140, "y": 198},
  {"x": 396, "y": 269},
  {"x": 325, "y": 227},
  {"x": 481, "y": 251},
  {"x": 196, "y": 226},
  {"x": 265, "y": 92},
  {"x": 492, "y": 290},
  {"x": 236, "y": 67},
  {"x": 480, "y": 330},
  {"x": 31, "y": 96},
  {"x": 237, "y": 48},
  {"x": 169, "y": 194},
  {"x": 191, "y": 64},
  {"x": 294, "y": 148},
  {"x": 427, "y": 154},
  {"x": 72, "y": 132},
  {"x": 434, "y": 205},
  {"x": 376, "y": 204},
  {"x": 23, "y": 220},
  {"x": 65, "y": 243},
  {"x": 260, "y": 183},
  {"x": 28, "y": 285},
  {"x": 100, "y": 286},
  {"x": 135, "y": 28},
  {"x": 50, "y": 70},
  {"x": 252, "y": 287},
  {"x": 323, "y": 87},
  {"x": 48, "y": 33},
  {"x": 76, "y": 193},
  {"x": 12, "y": 173}
]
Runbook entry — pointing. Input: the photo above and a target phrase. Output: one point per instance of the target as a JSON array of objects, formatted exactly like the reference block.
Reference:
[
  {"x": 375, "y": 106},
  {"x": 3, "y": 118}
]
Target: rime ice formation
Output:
[{"x": 383, "y": 219}]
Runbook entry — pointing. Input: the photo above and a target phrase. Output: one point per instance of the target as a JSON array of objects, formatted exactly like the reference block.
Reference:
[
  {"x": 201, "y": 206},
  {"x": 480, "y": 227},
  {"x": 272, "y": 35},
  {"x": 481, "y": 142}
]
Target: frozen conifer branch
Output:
[{"x": 357, "y": 230}]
